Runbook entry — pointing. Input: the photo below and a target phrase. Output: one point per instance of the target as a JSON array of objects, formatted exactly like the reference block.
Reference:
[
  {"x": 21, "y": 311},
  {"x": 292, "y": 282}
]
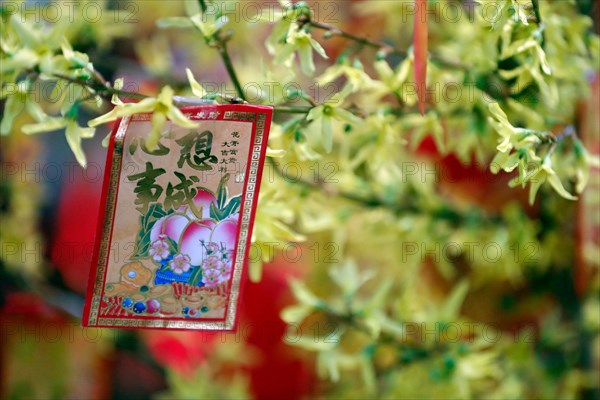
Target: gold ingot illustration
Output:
[
  {"x": 133, "y": 276},
  {"x": 169, "y": 306}
]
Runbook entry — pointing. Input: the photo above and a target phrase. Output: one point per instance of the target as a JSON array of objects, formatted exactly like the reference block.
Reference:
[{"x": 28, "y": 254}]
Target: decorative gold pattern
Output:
[
  {"x": 111, "y": 201},
  {"x": 239, "y": 116}
]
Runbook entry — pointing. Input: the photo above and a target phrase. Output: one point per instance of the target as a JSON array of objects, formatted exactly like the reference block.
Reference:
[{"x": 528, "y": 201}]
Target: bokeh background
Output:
[{"x": 49, "y": 207}]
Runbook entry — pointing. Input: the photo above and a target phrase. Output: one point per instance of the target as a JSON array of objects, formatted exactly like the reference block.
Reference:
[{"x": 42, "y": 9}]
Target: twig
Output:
[
  {"x": 381, "y": 46},
  {"x": 220, "y": 43},
  {"x": 100, "y": 78},
  {"x": 291, "y": 110},
  {"x": 103, "y": 89},
  {"x": 229, "y": 67},
  {"x": 305, "y": 20},
  {"x": 338, "y": 32},
  {"x": 106, "y": 91},
  {"x": 535, "y": 4}
]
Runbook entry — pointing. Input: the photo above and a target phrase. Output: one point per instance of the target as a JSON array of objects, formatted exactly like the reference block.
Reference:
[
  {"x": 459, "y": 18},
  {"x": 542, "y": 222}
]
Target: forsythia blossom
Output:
[
  {"x": 329, "y": 110},
  {"x": 532, "y": 168},
  {"x": 161, "y": 107},
  {"x": 302, "y": 42}
]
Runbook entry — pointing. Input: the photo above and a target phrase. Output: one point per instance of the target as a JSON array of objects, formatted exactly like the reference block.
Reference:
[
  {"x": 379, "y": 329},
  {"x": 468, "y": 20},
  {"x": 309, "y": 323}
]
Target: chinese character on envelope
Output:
[{"x": 175, "y": 223}]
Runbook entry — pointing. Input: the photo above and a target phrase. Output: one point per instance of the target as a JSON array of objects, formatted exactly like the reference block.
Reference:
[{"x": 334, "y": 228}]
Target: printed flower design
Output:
[
  {"x": 159, "y": 250},
  {"x": 216, "y": 268},
  {"x": 212, "y": 248},
  {"x": 180, "y": 264},
  {"x": 224, "y": 269},
  {"x": 199, "y": 234},
  {"x": 212, "y": 262},
  {"x": 211, "y": 277}
]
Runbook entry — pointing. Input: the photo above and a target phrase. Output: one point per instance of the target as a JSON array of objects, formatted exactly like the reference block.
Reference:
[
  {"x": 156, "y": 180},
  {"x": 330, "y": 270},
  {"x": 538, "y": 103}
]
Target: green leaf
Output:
[
  {"x": 215, "y": 213},
  {"x": 222, "y": 192},
  {"x": 142, "y": 241},
  {"x": 196, "y": 276},
  {"x": 173, "y": 245},
  {"x": 233, "y": 206}
]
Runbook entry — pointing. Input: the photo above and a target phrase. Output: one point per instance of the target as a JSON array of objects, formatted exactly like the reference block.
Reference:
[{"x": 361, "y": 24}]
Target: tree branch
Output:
[
  {"x": 381, "y": 46},
  {"x": 101, "y": 86},
  {"x": 104, "y": 90},
  {"x": 229, "y": 67},
  {"x": 220, "y": 43},
  {"x": 535, "y": 4}
]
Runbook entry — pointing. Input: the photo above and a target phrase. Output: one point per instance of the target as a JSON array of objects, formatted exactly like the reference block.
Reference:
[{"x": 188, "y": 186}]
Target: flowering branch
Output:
[
  {"x": 101, "y": 87},
  {"x": 220, "y": 42},
  {"x": 383, "y": 48},
  {"x": 104, "y": 89}
]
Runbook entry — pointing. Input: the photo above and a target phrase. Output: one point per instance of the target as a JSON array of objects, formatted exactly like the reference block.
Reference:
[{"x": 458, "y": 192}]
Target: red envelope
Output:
[{"x": 175, "y": 223}]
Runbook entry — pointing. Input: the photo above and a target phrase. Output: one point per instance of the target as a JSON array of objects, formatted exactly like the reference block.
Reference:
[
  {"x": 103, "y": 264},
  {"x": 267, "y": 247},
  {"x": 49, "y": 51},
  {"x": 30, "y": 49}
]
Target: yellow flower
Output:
[
  {"x": 423, "y": 126},
  {"x": 355, "y": 75},
  {"x": 15, "y": 62},
  {"x": 331, "y": 109},
  {"x": 73, "y": 132},
  {"x": 286, "y": 16},
  {"x": 197, "y": 89},
  {"x": 161, "y": 107},
  {"x": 502, "y": 126},
  {"x": 538, "y": 177},
  {"x": 302, "y": 42},
  {"x": 397, "y": 81},
  {"x": 207, "y": 23},
  {"x": 511, "y": 136},
  {"x": 15, "y": 102}
]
